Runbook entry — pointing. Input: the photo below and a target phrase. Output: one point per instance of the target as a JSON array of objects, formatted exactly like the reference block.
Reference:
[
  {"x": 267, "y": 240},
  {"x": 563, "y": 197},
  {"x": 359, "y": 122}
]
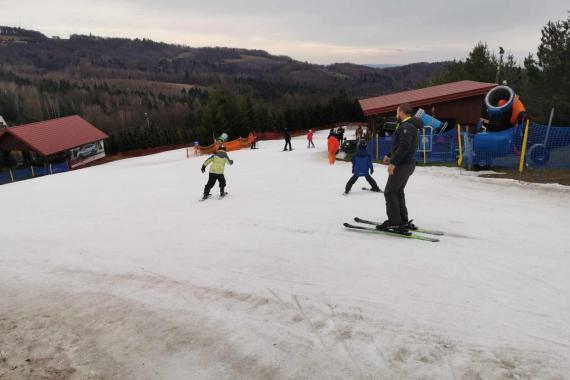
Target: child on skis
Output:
[
  {"x": 361, "y": 165},
  {"x": 218, "y": 161}
]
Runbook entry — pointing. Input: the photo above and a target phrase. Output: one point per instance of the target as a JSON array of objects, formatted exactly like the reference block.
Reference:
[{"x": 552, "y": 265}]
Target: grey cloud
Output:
[{"x": 319, "y": 31}]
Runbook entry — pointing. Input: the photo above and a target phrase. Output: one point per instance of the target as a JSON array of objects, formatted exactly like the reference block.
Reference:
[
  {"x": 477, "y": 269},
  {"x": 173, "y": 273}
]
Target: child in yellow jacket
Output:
[{"x": 218, "y": 161}]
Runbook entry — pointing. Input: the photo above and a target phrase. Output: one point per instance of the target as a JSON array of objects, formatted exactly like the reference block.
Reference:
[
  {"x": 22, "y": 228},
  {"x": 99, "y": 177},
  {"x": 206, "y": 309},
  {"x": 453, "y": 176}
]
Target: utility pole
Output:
[
  {"x": 147, "y": 120},
  {"x": 501, "y": 53}
]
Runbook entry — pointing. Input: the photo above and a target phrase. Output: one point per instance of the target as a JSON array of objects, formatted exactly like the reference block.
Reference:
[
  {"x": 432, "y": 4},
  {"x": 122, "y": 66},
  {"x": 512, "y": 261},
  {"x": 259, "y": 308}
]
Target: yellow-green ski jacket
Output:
[{"x": 218, "y": 161}]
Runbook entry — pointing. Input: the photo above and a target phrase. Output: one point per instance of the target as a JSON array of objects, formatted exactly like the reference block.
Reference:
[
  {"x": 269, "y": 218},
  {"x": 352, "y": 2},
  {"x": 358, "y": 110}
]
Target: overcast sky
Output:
[{"x": 320, "y": 31}]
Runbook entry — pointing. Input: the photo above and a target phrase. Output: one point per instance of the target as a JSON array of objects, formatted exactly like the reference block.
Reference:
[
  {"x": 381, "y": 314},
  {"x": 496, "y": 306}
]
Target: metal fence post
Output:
[
  {"x": 546, "y": 140},
  {"x": 424, "y": 141}
]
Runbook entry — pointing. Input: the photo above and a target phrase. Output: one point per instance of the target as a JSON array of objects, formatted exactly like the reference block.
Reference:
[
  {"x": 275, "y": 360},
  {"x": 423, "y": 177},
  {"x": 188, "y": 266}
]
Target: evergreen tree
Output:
[{"x": 549, "y": 76}]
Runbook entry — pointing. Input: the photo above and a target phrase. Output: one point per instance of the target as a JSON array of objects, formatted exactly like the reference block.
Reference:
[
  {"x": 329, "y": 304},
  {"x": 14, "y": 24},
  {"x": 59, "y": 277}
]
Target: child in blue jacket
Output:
[{"x": 361, "y": 166}]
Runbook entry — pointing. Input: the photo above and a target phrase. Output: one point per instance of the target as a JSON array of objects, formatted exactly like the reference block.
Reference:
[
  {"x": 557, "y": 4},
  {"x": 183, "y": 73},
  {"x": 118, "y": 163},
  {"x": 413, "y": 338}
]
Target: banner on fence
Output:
[{"x": 86, "y": 153}]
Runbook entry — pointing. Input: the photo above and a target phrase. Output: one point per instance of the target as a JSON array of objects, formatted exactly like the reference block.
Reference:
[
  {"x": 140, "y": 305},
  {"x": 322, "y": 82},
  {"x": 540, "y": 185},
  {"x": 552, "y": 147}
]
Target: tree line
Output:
[
  {"x": 542, "y": 81},
  {"x": 140, "y": 114},
  {"x": 200, "y": 93}
]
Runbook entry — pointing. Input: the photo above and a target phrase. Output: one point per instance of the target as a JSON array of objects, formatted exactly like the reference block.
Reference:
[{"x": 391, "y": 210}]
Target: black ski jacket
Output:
[{"x": 405, "y": 144}]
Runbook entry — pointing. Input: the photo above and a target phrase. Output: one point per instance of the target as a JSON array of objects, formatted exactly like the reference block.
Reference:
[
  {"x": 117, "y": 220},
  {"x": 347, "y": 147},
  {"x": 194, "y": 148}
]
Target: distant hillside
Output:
[
  {"x": 145, "y": 93},
  {"x": 381, "y": 65},
  {"x": 253, "y": 71},
  {"x": 11, "y": 34}
]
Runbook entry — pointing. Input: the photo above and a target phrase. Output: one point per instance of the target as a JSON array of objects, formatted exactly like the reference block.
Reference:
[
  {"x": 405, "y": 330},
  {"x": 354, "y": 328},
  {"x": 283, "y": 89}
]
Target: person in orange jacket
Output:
[{"x": 333, "y": 145}]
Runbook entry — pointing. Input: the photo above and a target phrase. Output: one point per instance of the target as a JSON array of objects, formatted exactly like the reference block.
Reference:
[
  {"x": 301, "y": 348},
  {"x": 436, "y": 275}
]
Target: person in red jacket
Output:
[
  {"x": 333, "y": 145},
  {"x": 253, "y": 140},
  {"x": 310, "y": 139}
]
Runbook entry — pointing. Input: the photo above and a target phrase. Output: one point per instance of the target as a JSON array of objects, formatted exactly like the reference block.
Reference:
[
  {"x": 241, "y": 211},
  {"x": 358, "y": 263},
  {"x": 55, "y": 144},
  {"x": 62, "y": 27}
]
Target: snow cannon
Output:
[
  {"x": 489, "y": 146},
  {"x": 499, "y": 101},
  {"x": 504, "y": 107},
  {"x": 428, "y": 119}
]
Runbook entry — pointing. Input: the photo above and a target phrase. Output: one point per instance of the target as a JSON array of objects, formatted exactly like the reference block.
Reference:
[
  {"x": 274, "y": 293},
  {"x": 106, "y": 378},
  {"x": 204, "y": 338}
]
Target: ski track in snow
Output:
[{"x": 118, "y": 272}]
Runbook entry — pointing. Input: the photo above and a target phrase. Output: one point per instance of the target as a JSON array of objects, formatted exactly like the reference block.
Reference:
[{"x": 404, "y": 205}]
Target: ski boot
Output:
[
  {"x": 394, "y": 228},
  {"x": 410, "y": 225}
]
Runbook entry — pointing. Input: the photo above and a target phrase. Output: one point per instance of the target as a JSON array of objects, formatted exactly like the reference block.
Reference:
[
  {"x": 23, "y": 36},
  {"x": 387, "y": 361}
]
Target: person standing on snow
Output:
[
  {"x": 218, "y": 161},
  {"x": 287, "y": 137},
  {"x": 310, "y": 139},
  {"x": 401, "y": 163},
  {"x": 358, "y": 133},
  {"x": 340, "y": 133},
  {"x": 361, "y": 165},
  {"x": 333, "y": 146},
  {"x": 253, "y": 140}
]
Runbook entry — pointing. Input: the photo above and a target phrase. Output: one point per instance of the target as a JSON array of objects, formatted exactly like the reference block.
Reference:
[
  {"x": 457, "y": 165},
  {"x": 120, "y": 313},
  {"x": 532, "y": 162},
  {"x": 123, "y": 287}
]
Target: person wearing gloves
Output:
[
  {"x": 218, "y": 161},
  {"x": 361, "y": 167}
]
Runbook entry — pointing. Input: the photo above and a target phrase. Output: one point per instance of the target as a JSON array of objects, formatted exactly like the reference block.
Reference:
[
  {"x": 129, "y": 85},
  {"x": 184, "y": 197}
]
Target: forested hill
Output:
[
  {"x": 246, "y": 70},
  {"x": 126, "y": 86}
]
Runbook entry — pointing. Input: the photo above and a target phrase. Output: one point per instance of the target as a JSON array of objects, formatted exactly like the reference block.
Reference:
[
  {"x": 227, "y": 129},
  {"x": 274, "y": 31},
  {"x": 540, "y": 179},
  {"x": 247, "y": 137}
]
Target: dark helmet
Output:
[{"x": 362, "y": 144}]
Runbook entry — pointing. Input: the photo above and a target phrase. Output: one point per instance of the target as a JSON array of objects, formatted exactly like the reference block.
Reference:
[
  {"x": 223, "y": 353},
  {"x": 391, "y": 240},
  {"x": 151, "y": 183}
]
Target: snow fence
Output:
[
  {"x": 13, "y": 175},
  {"x": 546, "y": 147}
]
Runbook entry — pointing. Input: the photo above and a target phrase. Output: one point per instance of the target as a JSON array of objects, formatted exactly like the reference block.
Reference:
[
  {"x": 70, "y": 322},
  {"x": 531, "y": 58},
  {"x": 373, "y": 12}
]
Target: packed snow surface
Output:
[{"x": 118, "y": 271}]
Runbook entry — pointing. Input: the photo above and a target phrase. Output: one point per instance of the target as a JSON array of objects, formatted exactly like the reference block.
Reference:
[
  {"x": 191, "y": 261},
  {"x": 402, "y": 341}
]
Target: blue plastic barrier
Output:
[
  {"x": 546, "y": 148},
  {"x": 21, "y": 174},
  {"x": 40, "y": 171},
  {"x": 59, "y": 168},
  {"x": 5, "y": 177}
]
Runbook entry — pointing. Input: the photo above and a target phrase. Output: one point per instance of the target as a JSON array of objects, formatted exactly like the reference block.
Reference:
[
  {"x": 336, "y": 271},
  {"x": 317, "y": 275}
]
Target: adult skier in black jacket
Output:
[
  {"x": 401, "y": 163},
  {"x": 287, "y": 137}
]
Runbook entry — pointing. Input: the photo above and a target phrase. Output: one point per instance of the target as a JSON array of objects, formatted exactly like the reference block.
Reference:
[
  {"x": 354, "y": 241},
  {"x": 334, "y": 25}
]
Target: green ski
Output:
[
  {"x": 419, "y": 230},
  {"x": 395, "y": 234}
]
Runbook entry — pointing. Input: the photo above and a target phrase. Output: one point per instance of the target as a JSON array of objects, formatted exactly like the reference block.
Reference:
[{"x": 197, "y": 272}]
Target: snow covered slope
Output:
[{"x": 117, "y": 271}]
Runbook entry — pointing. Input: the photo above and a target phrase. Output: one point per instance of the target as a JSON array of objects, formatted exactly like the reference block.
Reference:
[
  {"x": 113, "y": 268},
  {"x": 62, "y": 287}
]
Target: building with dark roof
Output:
[
  {"x": 67, "y": 142},
  {"x": 457, "y": 102}
]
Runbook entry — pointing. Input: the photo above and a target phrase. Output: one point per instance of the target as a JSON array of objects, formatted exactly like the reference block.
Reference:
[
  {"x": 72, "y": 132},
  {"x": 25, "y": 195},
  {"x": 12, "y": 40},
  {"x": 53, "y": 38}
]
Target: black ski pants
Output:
[
  {"x": 288, "y": 143},
  {"x": 212, "y": 181},
  {"x": 353, "y": 179},
  {"x": 394, "y": 194}
]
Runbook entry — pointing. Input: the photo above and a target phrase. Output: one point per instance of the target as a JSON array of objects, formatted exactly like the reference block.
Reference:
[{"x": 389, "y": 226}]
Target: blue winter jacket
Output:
[{"x": 361, "y": 163}]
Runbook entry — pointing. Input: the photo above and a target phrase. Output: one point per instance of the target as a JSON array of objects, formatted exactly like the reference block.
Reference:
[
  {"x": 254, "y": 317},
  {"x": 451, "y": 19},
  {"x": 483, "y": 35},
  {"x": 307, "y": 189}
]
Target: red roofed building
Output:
[
  {"x": 457, "y": 102},
  {"x": 71, "y": 140}
]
